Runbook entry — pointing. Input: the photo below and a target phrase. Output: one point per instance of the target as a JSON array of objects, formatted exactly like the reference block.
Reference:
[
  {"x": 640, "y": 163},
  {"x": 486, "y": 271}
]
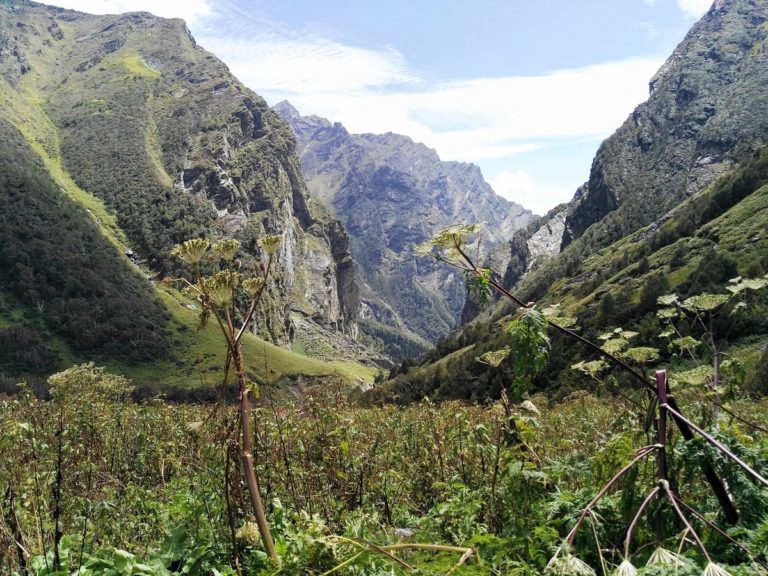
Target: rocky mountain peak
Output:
[
  {"x": 392, "y": 193},
  {"x": 139, "y": 117},
  {"x": 704, "y": 114}
]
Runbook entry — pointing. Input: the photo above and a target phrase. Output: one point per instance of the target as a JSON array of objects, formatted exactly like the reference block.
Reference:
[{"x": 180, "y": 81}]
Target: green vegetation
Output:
[
  {"x": 706, "y": 241},
  {"x": 71, "y": 281},
  {"x": 143, "y": 488},
  {"x": 102, "y": 478},
  {"x": 393, "y": 343},
  {"x": 137, "y": 67}
]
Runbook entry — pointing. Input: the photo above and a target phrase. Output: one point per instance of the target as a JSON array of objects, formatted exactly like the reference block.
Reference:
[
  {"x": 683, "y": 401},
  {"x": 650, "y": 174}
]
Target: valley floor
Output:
[{"x": 93, "y": 484}]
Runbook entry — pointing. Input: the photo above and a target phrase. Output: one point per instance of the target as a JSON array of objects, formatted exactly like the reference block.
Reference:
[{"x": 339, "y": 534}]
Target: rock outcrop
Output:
[
  {"x": 133, "y": 112},
  {"x": 391, "y": 194},
  {"x": 704, "y": 113}
]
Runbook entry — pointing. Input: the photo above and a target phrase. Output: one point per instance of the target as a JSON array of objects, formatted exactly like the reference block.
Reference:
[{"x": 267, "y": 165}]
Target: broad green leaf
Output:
[
  {"x": 685, "y": 343},
  {"x": 695, "y": 377},
  {"x": 667, "y": 300},
  {"x": 495, "y": 358},
  {"x": 642, "y": 354}
]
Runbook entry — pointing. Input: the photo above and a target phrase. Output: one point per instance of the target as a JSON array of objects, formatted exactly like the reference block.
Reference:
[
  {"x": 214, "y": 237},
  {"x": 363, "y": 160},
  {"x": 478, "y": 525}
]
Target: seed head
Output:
[{"x": 191, "y": 251}]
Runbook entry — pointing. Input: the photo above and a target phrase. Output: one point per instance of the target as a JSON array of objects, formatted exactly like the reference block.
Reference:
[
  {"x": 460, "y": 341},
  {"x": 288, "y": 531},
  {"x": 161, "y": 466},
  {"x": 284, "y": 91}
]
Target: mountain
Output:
[
  {"x": 122, "y": 137},
  {"x": 705, "y": 113},
  {"x": 392, "y": 193},
  {"x": 675, "y": 202}
]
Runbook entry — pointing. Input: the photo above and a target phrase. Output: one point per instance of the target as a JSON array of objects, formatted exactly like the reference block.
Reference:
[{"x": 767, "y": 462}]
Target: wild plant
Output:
[
  {"x": 217, "y": 293},
  {"x": 452, "y": 246}
]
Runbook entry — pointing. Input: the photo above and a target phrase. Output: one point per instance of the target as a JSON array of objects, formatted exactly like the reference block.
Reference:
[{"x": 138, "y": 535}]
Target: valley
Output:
[{"x": 242, "y": 339}]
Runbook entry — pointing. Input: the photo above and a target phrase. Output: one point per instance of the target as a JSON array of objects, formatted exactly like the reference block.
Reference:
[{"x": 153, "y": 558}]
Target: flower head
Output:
[
  {"x": 626, "y": 569},
  {"x": 713, "y": 569},
  {"x": 270, "y": 244},
  {"x": 221, "y": 287},
  {"x": 663, "y": 557},
  {"x": 226, "y": 248},
  {"x": 252, "y": 286},
  {"x": 568, "y": 565},
  {"x": 191, "y": 251}
]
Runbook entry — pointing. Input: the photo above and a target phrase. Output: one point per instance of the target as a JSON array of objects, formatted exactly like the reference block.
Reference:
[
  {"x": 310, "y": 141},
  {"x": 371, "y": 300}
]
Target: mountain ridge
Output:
[
  {"x": 681, "y": 161},
  {"x": 393, "y": 193},
  {"x": 697, "y": 123},
  {"x": 157, "y": 142}
]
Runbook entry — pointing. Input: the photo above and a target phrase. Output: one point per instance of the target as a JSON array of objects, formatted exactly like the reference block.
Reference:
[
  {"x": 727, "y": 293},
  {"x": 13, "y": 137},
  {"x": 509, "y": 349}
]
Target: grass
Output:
[
  {"x": 137, "y": 67},
  {"x": 200, "y": 356}
]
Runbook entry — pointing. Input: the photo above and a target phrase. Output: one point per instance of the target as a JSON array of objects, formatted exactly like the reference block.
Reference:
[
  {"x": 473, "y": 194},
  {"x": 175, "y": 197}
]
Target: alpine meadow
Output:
[{"x": 240, "y": 339}]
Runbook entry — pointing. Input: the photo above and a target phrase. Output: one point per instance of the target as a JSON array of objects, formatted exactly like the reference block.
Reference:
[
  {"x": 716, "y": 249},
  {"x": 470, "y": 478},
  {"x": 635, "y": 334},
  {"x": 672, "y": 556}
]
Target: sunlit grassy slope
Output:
[
  {"x": 200, "y": 354},
  {"x": 698, "y": 247}
]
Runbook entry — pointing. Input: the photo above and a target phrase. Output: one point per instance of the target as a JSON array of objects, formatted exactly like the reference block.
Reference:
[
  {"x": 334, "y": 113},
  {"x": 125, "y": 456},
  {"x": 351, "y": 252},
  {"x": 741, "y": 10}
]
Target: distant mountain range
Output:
[{"x": 391, "y": 194}]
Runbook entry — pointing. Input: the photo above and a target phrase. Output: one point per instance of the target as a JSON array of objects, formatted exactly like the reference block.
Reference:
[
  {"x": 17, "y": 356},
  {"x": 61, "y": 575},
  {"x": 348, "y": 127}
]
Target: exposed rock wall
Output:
[
  {"x": 177, "y": 147},
  {"x": 392, "y": 194},
  {"x": 705, "y": 112}
]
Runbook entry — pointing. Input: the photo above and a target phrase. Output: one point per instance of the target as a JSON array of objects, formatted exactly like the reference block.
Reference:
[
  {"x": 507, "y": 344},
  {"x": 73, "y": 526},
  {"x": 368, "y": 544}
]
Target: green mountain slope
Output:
[
  {"x": 122, "y": 136},
  {"x": 705, "y": 113},
  {"x": 643, "y": 222},
  {"x": 698, "y": 247}
]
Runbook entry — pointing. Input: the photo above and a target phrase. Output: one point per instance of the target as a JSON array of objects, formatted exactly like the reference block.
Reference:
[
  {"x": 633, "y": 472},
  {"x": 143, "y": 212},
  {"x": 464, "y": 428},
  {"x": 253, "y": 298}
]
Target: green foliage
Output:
[
  {"x": 338, "y": 478},
  {"x": 530, "y": 346},
  {"x": 72, "y": 281},
  {"x": 710, "y": 240},
  {"x": 393, "y": 343}
]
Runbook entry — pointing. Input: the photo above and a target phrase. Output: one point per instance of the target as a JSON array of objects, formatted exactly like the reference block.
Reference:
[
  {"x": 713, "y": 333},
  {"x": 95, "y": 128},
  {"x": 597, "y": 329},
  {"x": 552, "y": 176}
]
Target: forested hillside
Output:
[
  {"x": 704, "y": 246},
  {"x": 122, "y": 138}
]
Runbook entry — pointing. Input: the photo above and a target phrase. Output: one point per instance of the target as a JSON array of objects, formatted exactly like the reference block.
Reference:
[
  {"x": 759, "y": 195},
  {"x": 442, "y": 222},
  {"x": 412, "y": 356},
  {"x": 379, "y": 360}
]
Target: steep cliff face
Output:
[
  {"x": 392, "y": 193},
  {"x": 704, "y": 113},
  {"x": 129, "y": 110}
]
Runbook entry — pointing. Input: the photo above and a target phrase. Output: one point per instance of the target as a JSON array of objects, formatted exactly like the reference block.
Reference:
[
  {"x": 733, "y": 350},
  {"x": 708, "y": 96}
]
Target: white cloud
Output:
[
  {"x": 694, "y": 9},
  {"x": 518, "y": 186},
  {"x": 486, "y": 118},
  {"x": 309, "y": 65},
  {"x": 375, "y": 90},
  {"x": 189, "y": 10}
]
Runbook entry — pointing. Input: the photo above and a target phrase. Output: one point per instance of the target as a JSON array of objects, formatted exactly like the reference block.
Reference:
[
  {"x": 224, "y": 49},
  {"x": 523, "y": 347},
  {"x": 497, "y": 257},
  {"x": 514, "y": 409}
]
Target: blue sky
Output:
[{"x": 526, "y": 89}]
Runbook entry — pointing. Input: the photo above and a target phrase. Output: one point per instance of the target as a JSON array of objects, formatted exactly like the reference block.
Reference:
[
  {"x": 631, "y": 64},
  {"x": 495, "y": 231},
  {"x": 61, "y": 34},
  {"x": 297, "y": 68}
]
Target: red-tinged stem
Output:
[
  {"x": 642, "y": 453},
  {"x": 720, "y": 446}
]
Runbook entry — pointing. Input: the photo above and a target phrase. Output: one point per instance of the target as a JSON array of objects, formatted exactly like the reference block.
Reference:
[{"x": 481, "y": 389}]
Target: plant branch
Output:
[
  {"x": 665, "y": 486},
  {"x": 719, "y": 445},
  {"x": 639, "y": 455}
]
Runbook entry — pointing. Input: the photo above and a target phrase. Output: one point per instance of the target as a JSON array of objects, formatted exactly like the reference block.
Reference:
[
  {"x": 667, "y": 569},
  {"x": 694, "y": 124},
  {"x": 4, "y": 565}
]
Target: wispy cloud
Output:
[
  {"x": 375, "y": 89},
  {"x": 694, "y": 9},
  {"x": 189, "y": 10},
  {"x": 310, "y": 65},
  {"x": 470, "y": 120}
]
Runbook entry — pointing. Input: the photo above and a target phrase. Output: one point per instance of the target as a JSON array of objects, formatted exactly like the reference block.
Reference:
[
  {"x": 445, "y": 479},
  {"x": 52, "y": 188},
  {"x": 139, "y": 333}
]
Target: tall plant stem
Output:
[
  {"x": 631, "y": 530},
  {"x": 232, "y": 336},
  {"x": 247, "y": 457},
  {"x": 57, "y": 534},
  {"x": 721, "y": 447},
  {"x": 642, "y": 453}
]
